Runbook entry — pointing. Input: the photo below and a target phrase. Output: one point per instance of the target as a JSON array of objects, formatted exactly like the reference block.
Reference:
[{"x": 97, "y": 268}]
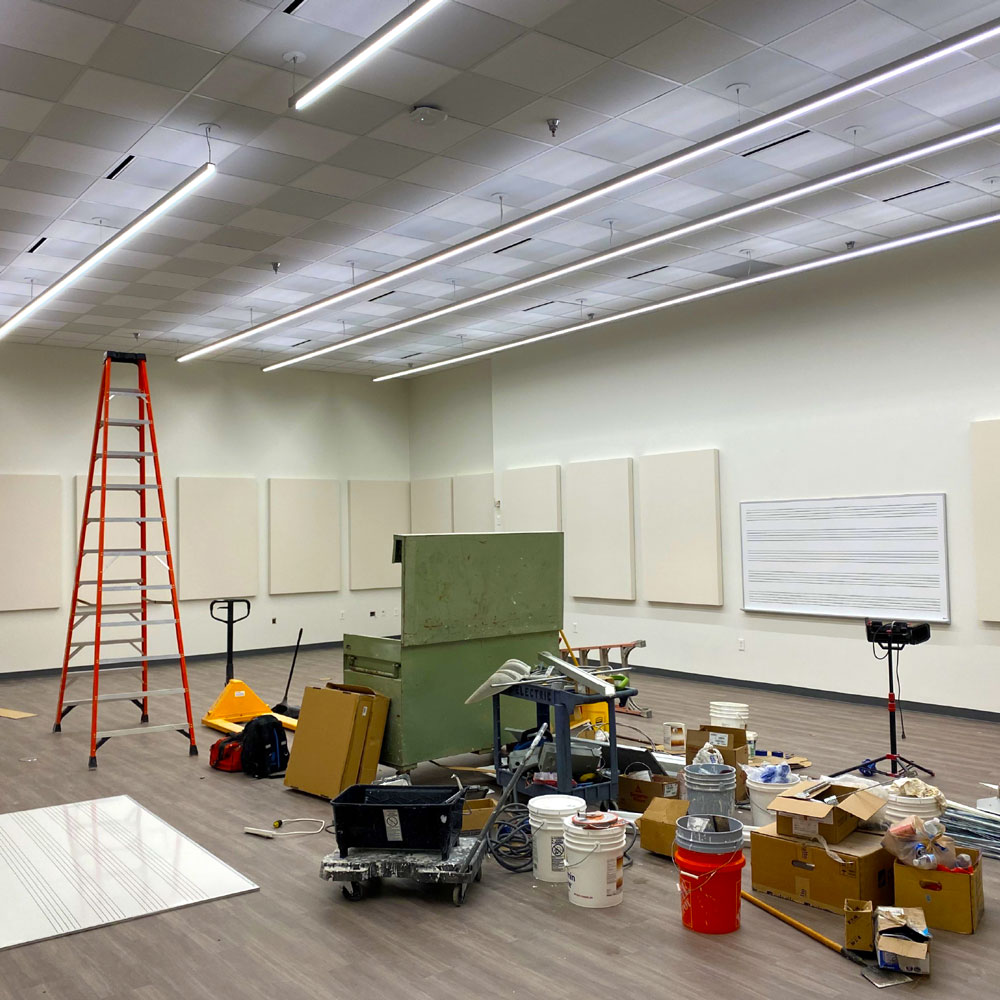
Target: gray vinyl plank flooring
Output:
[{"x": 299, "y": 939}]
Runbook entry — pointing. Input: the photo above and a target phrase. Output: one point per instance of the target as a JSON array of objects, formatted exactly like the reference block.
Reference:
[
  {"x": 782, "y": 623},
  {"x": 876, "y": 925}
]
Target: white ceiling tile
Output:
[
  {"x": 277, "y": 223},
  {"x": 930, "y": 13},
  {"x": 321, "y": 44},
  {"x": 964, "y": 161},
  {"x": 871, "y": 214},
  {"x": 114, "y": 95},
  {"x": 766, "y": 20},
  {"x": 32, "y": 202},
  {"x": 367, "y": 216},
  {"x": 539, "y": 63},
  {"x": 569, "y": 168},
  {"x": 181, "y": 147},
  {"x": 337, "y": 181},
  {"x": 878, "y": 119},
  {"x": 471, "y": 211},
  {"x": 51, "y": 31},
  {"x": 359, "y": 17},
  {"x": 863, "y": 38},
  {"x": 142, "y": 55},
  {"x": 448, "y": 174},
  {"x": 687, "y": 112},
  {"x": 22, "y": 113},
  {"x": 396, "y": 246},
  {"x": 495, "y": 149},
  {"x": 34, "y": 75},
  {"x": 372, "y": 156},
  {"x": 220, "y": 24},
  {"x": 687, "y": 50},
  {"x": 531, "y": 121},
  {"x": 398, "y": 76},
  {"x": 404, "y": 196},
  {"x": 286, "y": 135},
  {"x": 458, "y": 35},
  {"x": 432, "y": 139},
  {"x": 926, "y": 73},
  {"x": 265, "y": 165},
  {"x": 951, "y": 92},
  {"x": 609, "y": 28},
  {"x": 479, "y": 99},
  {"x": 240, "y": 190},
  {"x": 239, "y": 81},
  {"x": 809, "y": 153},
  {"x": 55, "y": 153},
  {"x": 625, "y": 141},
  {"x": 526, "y": 12},
  {"x": 614, "y": 88}
]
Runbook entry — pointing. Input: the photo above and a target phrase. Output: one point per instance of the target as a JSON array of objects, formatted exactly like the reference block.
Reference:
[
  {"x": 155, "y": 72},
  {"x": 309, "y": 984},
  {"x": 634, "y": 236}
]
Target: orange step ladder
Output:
[{"x": 107, "y": 616}]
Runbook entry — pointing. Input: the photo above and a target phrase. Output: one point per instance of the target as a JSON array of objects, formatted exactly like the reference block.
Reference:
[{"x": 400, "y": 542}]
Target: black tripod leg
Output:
[{"x": 918, "y": 767}]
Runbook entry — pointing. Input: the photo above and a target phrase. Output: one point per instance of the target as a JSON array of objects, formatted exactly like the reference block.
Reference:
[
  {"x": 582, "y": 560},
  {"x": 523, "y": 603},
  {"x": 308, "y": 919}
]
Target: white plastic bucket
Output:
[
  {"x": 729, "y": 714},
  {"x": 899, "y": 807},
  {"x": 595, "y": 859},
  {"x": 545, "y": 816},
  {"x": 761, "y": 793}
]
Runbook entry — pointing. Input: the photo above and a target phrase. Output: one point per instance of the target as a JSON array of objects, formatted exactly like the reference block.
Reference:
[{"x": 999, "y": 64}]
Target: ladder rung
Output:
[
  {"x": 125, "y": 552},
  {"x": 122, "y": 696},
  {"x": 148, "y": 621},
  {"x": 124, "y": 454},
  {"x": 124, "y": 422},
  {"x": 85, "y": 671},
  {"x": 121, "y": 585},
  {"x": 78, "y": 644},
  {"x": 109, "y": 609},
  {"x": 178, "y": 726},
  {"x": 126, "y": 392},
  {"x": 126, "y": 520},
  {"x": 122, "y": 663},
  {"x": 123, "y": 486}
]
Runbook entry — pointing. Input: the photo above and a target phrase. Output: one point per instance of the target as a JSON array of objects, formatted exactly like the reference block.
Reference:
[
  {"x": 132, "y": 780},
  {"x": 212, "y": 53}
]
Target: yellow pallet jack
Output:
[{"x": 238, "y": 703}]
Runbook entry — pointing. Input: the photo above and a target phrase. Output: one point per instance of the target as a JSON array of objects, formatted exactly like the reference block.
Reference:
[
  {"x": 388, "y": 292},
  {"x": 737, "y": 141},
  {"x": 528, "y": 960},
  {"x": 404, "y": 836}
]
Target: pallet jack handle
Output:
[{"x": 229, "y": 604}]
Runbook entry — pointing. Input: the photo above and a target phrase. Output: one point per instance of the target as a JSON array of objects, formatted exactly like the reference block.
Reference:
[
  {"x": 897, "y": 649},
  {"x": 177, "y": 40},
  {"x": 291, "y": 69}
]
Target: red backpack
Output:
[{"x": 227, "y": 754}]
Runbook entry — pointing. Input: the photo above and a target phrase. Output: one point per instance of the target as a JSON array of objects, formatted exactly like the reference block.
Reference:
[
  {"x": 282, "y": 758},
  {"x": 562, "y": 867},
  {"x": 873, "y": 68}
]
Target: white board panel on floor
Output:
[
  {"x": 218, "y": 539},
  {"x": 679, "y": 527},
  {"x": 30, "y": 542},
  {"x": 530, "y": 499},
  {"x": 303, "y": 536},
  {"x": 70, "y": 868},
  {"x": 430, "y": 506},
  {"x": 600, "y": 542},
  {"x": 985, "y": 522},
  {"x": 377, "y": 510},
  {"x": 474, "y": 509}
]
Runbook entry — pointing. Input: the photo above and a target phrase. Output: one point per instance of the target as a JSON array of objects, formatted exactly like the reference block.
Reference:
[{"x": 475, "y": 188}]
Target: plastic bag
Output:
[
  {"x": 772, "y": 774},
  {"x": 708, "y": 754},
  {"x": 922, "y": 844}
]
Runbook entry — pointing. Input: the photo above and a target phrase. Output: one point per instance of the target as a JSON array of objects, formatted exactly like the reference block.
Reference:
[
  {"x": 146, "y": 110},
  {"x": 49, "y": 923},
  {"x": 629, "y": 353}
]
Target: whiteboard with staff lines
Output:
[{"x": 847, "y": 557}]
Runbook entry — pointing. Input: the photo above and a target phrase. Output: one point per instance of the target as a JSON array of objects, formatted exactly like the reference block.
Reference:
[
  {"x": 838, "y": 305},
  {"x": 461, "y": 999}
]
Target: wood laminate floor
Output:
[{"x": 298, "y": 939}]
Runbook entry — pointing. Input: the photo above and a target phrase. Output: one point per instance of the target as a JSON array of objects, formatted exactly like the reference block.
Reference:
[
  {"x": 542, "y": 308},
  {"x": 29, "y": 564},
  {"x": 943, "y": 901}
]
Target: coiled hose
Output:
[{"x": 509, "y": 838}]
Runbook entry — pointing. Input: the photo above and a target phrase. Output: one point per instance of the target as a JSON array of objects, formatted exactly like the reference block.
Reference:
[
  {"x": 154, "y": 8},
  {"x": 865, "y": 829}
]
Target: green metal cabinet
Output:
[{"x": 469, "y": 602}]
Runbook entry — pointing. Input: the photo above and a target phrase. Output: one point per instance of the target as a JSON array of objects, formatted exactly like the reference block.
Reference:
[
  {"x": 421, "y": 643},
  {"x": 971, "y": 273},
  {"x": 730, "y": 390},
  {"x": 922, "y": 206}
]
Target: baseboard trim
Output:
[
  {"x": 238, "y": 654},
  {"x": 857, "y": 699}
]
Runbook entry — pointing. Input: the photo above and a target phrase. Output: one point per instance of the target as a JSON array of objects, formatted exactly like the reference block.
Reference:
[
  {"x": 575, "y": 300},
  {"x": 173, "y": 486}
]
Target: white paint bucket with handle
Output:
[
  {"x": 545, "y": 816},
  {"x": 595, "y": 859}
]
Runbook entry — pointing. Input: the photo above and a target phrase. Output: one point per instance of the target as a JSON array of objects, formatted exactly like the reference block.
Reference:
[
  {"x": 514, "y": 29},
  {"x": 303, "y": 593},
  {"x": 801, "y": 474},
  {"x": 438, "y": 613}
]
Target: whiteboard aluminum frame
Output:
[{"x": 821, "y": 613}]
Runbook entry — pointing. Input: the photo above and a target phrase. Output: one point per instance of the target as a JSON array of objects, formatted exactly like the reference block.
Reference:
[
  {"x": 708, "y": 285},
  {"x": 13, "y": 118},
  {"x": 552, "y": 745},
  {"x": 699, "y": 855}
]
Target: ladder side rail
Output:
[
  {"x": 144, "y": 386},
  {"x": 143, "y": 564}
]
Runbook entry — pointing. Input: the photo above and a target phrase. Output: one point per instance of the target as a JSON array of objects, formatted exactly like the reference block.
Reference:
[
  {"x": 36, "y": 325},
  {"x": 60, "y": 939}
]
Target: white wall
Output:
[
  {"x": 862, "y": 379},
  {"x": 212, "y": 419}
]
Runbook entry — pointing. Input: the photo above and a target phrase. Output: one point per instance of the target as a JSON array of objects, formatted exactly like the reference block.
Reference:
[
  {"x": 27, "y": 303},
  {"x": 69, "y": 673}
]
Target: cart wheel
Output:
[
  {"x": 354, "y": 891},
  {"x": 458, "y": 893},
  {"x": 479, "y": 874}
]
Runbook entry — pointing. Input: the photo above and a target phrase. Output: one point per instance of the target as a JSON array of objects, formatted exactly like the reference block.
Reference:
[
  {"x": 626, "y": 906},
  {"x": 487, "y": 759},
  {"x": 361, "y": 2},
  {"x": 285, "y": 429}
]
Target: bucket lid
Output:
[
  {"x": 597, "y": 821},
  {"x": 555, "y": 805}
]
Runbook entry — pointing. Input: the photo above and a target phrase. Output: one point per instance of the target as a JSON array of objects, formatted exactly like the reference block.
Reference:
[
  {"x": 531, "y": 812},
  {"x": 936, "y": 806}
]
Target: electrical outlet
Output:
[
  {"x": 741, "y": 645},
  {"x": 274, "y": 621},
  {"x": 371, "y": 614},
  {"x": 576, "y": 628}
]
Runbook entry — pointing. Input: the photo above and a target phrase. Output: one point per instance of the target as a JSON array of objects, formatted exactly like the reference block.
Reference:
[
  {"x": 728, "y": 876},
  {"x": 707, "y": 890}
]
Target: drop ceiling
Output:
[{"x": 351, "y": 188}]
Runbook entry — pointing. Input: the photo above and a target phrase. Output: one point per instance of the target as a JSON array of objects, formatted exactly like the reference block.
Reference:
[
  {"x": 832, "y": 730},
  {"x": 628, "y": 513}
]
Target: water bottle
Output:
[{"x": 927, "y": 861}]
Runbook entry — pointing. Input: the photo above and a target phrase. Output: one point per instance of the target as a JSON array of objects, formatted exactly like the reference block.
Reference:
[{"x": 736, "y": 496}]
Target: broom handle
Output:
[
  {"x": 295, "y": 656},
  {"x": 815, "y": 935}
]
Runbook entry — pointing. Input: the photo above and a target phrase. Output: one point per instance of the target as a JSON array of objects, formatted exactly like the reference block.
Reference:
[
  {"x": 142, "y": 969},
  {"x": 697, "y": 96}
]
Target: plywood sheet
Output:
[
  {"x": 217, "y": 537},
  {"x": 679, "y": 527},
  {"x": 600, "y": 543},
  {"x": 70, "y": 868},
  {"x": 985, "y": 520},
  {"x": 30, "y": 542},
  {"x": 474, "y": 509},
  {"x": 530, "y": 499},
  {"x": 377, "y": 510},
  {"x": 430, "y": 506},
  {"x": 304, "y": 536}
]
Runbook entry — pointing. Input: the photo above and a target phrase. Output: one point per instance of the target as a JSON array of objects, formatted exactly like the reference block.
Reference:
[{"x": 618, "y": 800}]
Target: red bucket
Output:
[{"x": 710, "y": 890}]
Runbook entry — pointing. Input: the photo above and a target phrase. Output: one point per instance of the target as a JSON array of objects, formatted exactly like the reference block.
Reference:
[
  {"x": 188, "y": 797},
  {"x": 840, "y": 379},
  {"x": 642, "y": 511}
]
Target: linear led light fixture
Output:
[
  {"x": 760, "y": 279},
  {"x": 164, "y": 205},
  {"x": 358, "y": 56},
  {"x": 669, "y": 235},
  {"x": 931, "y": 54}
]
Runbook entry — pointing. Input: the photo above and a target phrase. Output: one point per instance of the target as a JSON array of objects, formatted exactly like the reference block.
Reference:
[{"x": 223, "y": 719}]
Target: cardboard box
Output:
[
  {"x": 859, "y": 925},
  {"x": 338, "y": 739},
  {"x": 902, "y": 940},
  {"x": 476, "y": 813},
  {"x": 658, "y": 825},
  {"x": 634, "y": 794},
  {"x": 731, "y": 743},
  {"x": 802, "y": 817},
  {"x": 804, "y": 873},
  {"x": 951, "y": 901}
]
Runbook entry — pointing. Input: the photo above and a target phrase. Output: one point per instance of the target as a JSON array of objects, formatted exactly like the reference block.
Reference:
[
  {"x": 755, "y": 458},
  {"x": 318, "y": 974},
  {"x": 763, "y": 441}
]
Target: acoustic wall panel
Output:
[
  {"x": 377, "y": 511},
  {"x": 474, "y": 509},
  {"x": 30, "y": 542},
  {"x": 430, "y": 506},
  {"x": 217, "y": 537},
  {"x": 530, "y": 499},
  {"x": 680, "y": 528},
  {"x": 985, "y": 523},
  {"x": 303, "y": 536},
  {"x": 600, "y": 545}
]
